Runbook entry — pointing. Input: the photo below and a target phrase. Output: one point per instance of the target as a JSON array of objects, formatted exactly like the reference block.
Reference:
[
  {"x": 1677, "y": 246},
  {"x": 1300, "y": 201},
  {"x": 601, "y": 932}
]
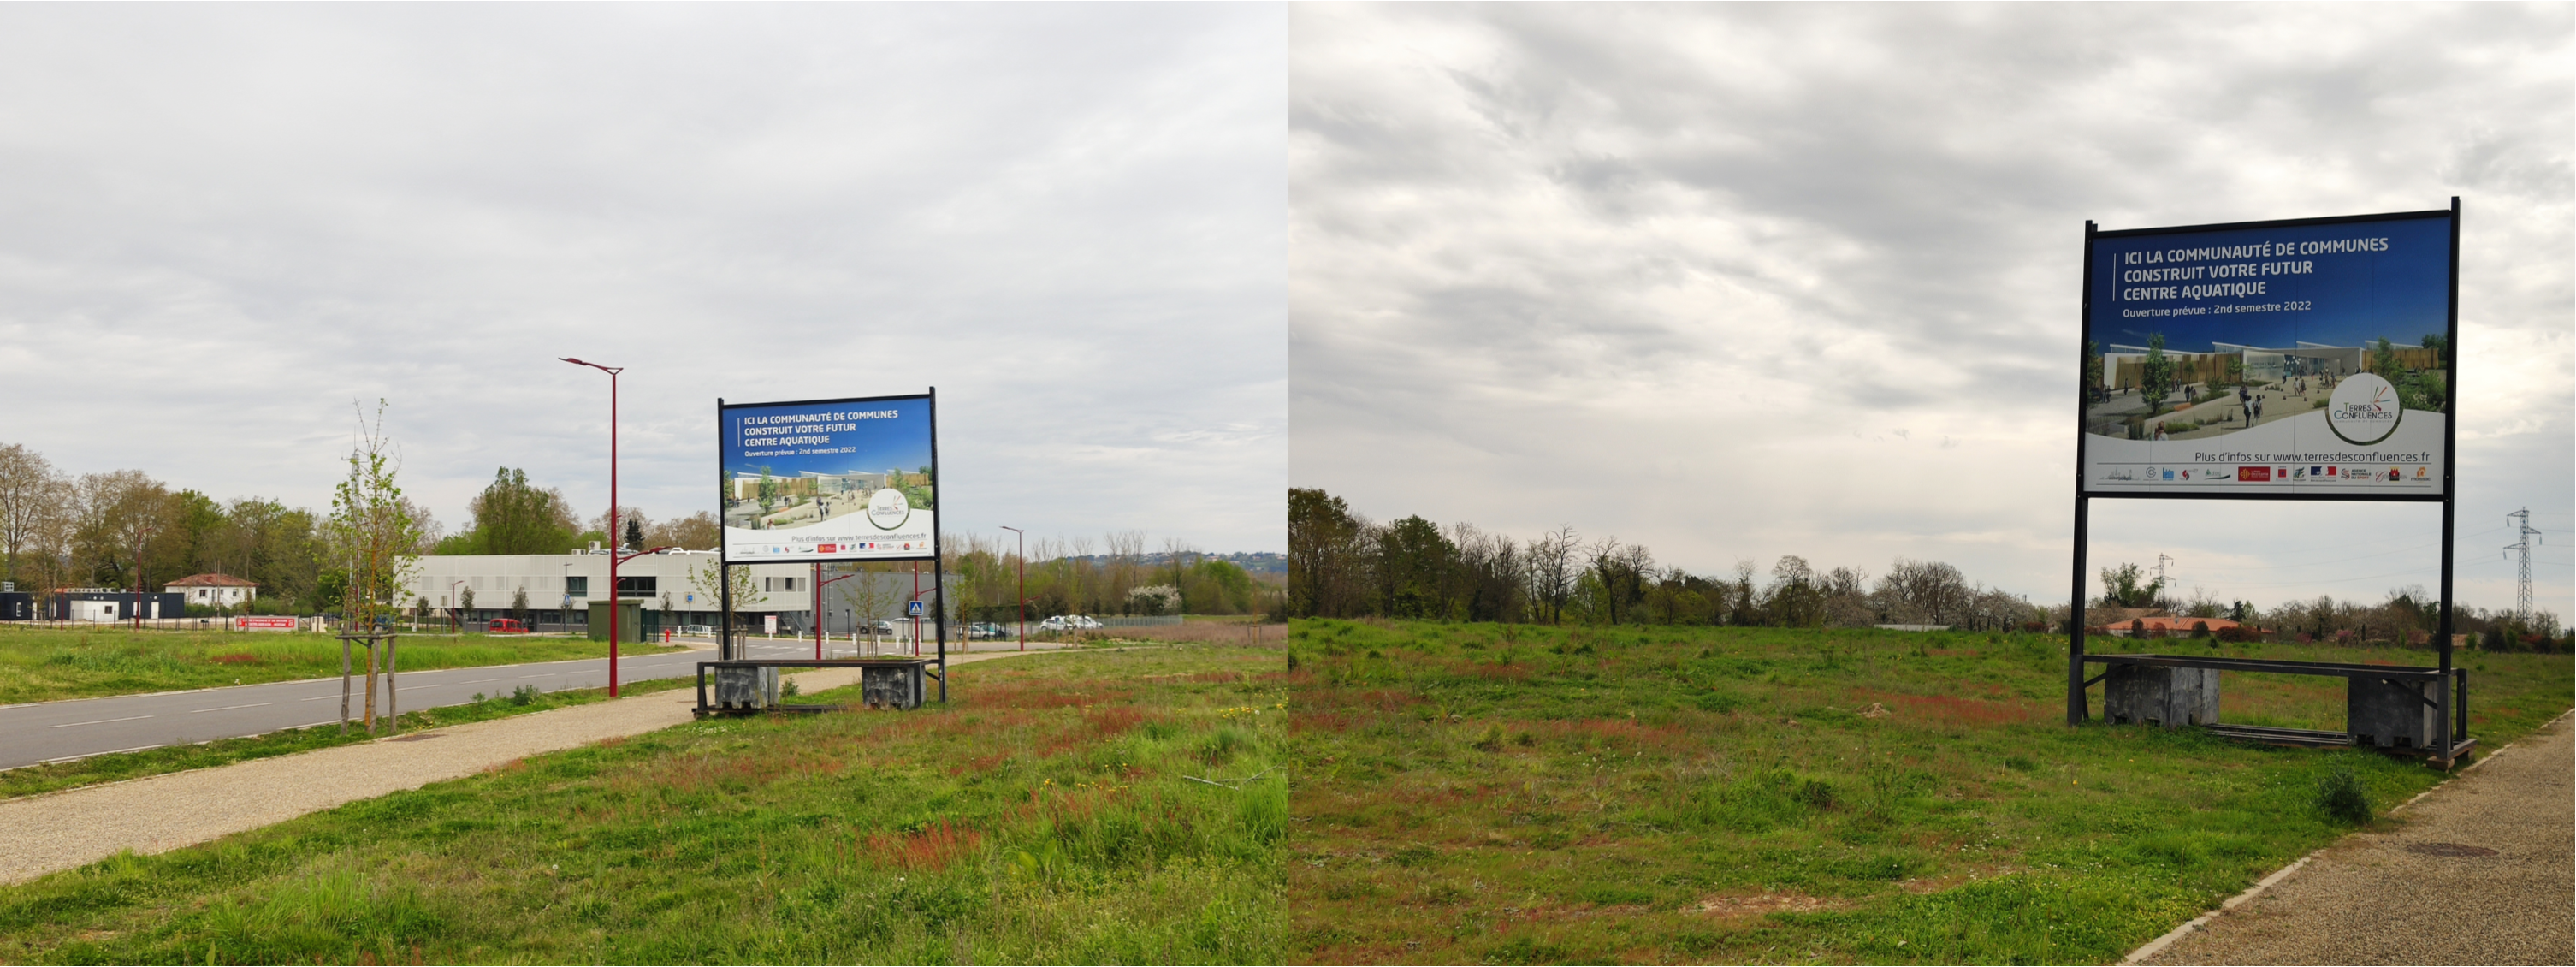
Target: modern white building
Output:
[
  {"x": 213, "y": 590},
  {"x": 679, "y": 586}
]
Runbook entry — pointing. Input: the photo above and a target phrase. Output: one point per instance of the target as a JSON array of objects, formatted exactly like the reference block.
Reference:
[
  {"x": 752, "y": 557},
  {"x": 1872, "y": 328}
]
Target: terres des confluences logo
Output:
[
  {"x": 2363, "y": 409},
  {"x": 887, "y": 509}
]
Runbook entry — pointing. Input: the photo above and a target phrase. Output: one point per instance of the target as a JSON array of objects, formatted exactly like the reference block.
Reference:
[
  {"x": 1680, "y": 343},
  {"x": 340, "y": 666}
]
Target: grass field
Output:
[
  {"x": 1482, "y": 793},
  {"x": 1105, "y": 806},
  {"x": 119, "y": 766},
  {"x": 45, "y": 663}
]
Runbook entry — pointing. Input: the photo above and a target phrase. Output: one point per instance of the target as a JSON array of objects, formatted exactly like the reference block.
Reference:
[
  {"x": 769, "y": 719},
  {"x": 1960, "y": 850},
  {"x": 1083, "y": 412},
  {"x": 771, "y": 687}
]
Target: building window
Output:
[
  {"x": 637, "y": 587},
  {"x": 577, "y": 586}
]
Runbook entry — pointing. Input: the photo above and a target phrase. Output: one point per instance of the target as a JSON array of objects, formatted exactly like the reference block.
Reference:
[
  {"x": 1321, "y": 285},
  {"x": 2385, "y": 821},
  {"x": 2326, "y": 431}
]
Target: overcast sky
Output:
[
  {"x": 1745, "y": 281},
  {"x": 219, "y": 225}
]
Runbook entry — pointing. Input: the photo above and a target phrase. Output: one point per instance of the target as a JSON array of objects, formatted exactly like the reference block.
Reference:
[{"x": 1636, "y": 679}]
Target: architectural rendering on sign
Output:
[
  {"x": 2270, "y": 359},
  {"x": 830, "y": 480}
]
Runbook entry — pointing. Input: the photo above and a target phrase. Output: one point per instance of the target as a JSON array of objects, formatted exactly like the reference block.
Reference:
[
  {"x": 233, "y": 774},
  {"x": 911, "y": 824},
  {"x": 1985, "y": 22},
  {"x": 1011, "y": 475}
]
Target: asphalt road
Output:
[{"x": 57, "y": 731}]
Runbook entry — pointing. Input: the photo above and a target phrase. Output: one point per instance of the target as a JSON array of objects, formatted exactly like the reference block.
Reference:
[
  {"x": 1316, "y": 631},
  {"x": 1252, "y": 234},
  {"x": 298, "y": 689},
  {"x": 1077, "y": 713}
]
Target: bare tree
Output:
[{"x": 31, "y": 493}]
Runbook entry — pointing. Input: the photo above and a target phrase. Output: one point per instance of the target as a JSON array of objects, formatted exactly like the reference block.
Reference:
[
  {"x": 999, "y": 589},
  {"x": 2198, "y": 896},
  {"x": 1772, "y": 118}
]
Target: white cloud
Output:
[
  {"x": 1742, "y": 281},
  {"x": 222, "y": 224}
]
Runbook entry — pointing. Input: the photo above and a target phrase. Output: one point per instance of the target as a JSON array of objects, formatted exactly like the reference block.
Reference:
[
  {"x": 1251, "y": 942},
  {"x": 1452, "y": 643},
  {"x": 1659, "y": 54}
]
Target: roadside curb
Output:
[{"x": 2158, "y": 945}]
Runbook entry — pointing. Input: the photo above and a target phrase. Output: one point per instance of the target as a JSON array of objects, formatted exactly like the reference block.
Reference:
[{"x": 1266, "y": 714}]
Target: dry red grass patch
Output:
[
  {"x": 1730, "y": 907},
  {"x": 1958, "y": 709},
  {"x": 936, "y": 846}
]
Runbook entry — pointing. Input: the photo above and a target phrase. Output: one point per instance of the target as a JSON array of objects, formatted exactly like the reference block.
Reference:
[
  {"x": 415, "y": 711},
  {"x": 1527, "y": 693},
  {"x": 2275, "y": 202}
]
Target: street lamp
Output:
[
  {"x": 455, "y": 623},
  {"x": 612, "y": 372},
  {"x": 1024, "y": 586},
  {"x": 566, "y": 609}
]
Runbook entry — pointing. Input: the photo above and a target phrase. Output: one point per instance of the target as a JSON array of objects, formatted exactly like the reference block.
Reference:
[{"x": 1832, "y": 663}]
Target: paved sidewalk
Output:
[
  {"x": 57, "y": 831},
  {"x": 2480, "y": 871}
]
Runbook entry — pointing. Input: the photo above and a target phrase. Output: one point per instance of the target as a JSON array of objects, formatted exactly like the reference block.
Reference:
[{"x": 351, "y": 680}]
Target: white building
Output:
[
  {"x": 560, "y": 587},
  {"x": 213, "y": 590}
]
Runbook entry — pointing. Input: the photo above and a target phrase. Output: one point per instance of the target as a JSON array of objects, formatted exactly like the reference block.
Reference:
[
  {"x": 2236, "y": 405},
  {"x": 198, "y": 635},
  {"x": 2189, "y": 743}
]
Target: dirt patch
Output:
[{"x": 1732, "y": 907}]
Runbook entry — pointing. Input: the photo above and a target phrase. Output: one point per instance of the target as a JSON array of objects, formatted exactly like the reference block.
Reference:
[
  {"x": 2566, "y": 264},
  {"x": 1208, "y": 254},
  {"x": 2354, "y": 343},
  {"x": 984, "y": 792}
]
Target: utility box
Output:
[
  {"x": 746, "y": 689},
  {"x": 2392, "y": 715},
  {"x": 630, "y": 622},
  {"x": 893, "y": 684},
  {"x": 2157, "y": 695}
]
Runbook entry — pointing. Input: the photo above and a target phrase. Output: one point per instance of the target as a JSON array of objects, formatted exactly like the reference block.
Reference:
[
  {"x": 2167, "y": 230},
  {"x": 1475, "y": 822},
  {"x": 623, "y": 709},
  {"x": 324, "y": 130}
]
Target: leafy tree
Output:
[
  {"x": 1413, "y": 567},
  {"x": 2156, "y": 374},
  {"x": 634, "y": 534},
  {"x": 2121, "y": 585},
  {"x": 511, "y": 516},
  {"x": 1327, "y": 556},
  {"x": 2092, "y": 369}
]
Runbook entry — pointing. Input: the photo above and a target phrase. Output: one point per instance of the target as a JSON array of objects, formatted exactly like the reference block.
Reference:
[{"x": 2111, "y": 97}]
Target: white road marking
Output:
[
  {"x": 477, "y": 681},
  {"x": 227, "y": 708},
  {"x": 128, "y": 718}
]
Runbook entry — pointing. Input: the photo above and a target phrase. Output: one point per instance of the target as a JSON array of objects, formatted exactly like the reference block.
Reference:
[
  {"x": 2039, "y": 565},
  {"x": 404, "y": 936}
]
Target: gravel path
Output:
[
  {"x": 57, "y": 831},
  {"x": 2481, "y": 871}
]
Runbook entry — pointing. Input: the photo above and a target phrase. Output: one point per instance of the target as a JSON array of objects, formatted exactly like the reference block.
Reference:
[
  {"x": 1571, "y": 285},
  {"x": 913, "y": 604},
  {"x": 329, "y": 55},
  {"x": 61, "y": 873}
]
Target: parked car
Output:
[
  {"x": 506, "y": 626},
  {"x": 986, "y": 629},
  {"x": 1068, "y": 622}
]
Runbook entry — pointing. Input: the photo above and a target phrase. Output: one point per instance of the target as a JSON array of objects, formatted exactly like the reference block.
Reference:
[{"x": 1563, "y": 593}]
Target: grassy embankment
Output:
[
  {"x": 45, "y": 663},
  {"x": 1054, "y": 812},
  {"x": 1513, "y": 794},
  {"x": 118, "y": 766}
]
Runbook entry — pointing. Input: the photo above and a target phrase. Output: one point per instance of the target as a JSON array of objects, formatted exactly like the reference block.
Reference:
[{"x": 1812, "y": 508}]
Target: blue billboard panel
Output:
[
  {"x": 2278, "y": 359},
  {"x": 830, "y": 480}
]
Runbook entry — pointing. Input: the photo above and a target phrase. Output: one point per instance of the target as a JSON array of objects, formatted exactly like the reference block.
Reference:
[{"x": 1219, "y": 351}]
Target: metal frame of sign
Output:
[
  {"x": 2077, "y": 709},
  {"x": 938, "y": 575}
]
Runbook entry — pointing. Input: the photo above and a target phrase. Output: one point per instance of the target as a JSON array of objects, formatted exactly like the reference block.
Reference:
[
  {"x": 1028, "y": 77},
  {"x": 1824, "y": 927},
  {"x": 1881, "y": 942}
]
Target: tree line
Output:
[
  {"x": 1065, "y": 576},
  {"x": 125, "y": 529},
  {"x": 2406, "y": 615},
  {"x": 1341, "y": 564}
]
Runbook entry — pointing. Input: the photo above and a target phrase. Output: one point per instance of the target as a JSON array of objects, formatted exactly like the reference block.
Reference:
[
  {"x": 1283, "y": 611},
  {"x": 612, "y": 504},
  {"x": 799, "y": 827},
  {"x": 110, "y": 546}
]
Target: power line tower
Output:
[
  {"x": 2522, "y": 591},
  {"x": 2161, "y": 561}
]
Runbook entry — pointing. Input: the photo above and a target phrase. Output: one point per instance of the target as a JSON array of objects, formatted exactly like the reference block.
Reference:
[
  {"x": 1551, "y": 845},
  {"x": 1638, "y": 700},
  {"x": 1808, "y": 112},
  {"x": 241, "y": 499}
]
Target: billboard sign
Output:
[
  {"x": 2308, "y": 358},
  {"x": 829, "y": 480}
]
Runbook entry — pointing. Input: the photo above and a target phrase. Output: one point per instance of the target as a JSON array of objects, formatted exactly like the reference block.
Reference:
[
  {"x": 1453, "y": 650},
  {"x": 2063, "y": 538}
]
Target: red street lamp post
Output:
[
  {"x": 1024, "y": 586},
  {"x": 612, "y": 372},
  {"x": 819, "y": 582}
]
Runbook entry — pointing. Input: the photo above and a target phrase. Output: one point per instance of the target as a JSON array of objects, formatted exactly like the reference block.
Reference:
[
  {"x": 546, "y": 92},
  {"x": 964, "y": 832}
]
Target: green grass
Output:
[
  {"x": 1097, "y": 807},
  {"x": 45, "y": 663},
  {"x": 115, "y": 767},
  {"x": 1482, "y": 793}
]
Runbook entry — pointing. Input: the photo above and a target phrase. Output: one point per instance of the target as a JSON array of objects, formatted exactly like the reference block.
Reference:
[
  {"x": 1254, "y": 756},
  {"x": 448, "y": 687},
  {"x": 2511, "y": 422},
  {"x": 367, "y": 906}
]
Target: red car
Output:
[{"x": 506, "y": 626}]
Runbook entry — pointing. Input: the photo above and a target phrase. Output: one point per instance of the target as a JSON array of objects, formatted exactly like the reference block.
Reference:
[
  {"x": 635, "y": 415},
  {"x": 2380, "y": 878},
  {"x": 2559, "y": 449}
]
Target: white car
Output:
[{"x": 1068, "y": 622}]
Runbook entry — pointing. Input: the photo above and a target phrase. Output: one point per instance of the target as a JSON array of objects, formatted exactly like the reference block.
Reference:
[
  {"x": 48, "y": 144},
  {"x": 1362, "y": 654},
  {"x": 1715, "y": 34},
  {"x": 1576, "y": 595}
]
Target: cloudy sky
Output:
[
  {"x": 219, "y": 225},
  {"x": 1745, "y": 281}
]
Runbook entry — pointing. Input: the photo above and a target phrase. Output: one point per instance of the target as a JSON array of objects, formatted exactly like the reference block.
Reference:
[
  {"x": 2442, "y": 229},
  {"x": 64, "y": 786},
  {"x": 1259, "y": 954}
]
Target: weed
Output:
[
  {"x": 523, "y": 695},
  {"x": 1490, "y": 740},
  {"x": 1815, "y": 794}
]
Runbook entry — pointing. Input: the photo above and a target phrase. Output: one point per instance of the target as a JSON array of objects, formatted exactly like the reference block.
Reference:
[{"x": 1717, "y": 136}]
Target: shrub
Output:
[{"x": 2340, "y": 796}]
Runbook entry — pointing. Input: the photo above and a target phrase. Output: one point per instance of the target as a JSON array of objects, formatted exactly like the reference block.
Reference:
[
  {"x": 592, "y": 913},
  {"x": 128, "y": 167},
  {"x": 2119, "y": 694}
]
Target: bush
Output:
[{"x": 2339, "y": 795}]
